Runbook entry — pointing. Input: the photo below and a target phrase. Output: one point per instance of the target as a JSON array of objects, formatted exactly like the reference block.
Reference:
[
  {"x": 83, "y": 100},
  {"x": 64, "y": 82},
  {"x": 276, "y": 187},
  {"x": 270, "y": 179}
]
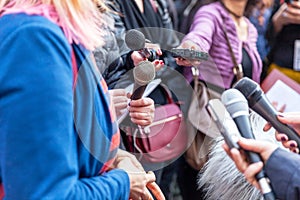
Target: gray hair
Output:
[{"x": 220, "y": 178}]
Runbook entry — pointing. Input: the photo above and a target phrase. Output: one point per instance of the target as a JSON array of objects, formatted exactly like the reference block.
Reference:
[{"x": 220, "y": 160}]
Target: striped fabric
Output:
[{"x": 95, "y": 124}]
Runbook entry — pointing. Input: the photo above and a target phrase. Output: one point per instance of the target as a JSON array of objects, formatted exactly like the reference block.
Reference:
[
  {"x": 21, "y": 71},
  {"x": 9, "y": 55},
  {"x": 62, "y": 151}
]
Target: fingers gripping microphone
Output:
[
  {"x": 237, "y": 106},
  {"x": 260, "y": 104},
  {"x": 136, "y": 41},
  {"x": 143, "y": 74}
]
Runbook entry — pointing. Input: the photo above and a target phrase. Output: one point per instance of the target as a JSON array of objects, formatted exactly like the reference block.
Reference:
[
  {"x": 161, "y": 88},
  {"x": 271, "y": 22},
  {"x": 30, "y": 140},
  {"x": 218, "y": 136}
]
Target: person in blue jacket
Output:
[
  {"x": 58, "y": 136},
  {"x": 281, "y": 166}
]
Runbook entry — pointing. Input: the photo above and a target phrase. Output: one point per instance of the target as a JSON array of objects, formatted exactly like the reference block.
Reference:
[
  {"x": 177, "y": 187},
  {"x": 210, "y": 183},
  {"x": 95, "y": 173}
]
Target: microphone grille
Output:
[
  {"x": 235, "y": 103},
  {"x": 144, "y": 73},
  {"x": 135, "y": 40},
  {"x": 246, "y": 86}
]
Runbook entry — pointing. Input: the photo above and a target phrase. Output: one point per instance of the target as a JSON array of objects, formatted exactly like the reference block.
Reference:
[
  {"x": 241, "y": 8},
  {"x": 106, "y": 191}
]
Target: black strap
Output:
[{"x": 237, "y": 68}]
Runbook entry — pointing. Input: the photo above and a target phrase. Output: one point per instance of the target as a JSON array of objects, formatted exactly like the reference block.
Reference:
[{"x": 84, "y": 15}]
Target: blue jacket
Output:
[
  {"x": 53, "y": 142},
  {"x": 283, "y": 171}
]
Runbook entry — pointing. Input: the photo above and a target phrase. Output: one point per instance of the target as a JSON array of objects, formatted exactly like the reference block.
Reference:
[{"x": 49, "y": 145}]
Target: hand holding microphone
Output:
[
  {"x": 143, "y": 109},
  {"x": 261, "y": 105},
  {"x": 263, "y": 148},
  {"x": 136, "y": 41},
  {"x": 292, "y": 119},
  {"x": 189, "y": 53},
  {"x": 237, "y": 106}
]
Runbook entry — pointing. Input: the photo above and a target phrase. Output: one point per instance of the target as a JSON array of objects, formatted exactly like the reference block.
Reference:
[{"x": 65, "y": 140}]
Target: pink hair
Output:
[{"x": 79, "y": 19}]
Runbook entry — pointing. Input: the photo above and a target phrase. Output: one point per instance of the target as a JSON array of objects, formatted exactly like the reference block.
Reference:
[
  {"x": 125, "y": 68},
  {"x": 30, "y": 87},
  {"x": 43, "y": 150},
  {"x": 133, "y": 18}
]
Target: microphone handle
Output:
[
  {"x": 271, "y": 116},
  {"x": 269, "y": 196},
  {"x": 261, "y": 177},
  {"x": 246, "y": 132},
  {"x": 148, "y": 53},
  {"x": 138, "y": 92}
]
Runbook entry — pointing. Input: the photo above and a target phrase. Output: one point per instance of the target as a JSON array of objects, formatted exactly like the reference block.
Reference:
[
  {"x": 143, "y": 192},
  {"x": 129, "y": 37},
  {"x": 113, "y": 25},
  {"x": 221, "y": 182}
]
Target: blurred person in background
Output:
[
  {"x": 208, "y": 34},
  {"x": 112, "y": 65},
  {"x": 186, "y": 10},
  {"x": 260, "y": 18},
  {"x": 152, "y": 18},
  {"x": 284, "y": 35}
]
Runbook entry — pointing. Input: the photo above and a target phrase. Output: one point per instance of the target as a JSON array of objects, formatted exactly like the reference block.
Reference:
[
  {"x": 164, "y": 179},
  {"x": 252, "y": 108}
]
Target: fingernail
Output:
[
  {"x": 161, "y": 62},
  {"x": 292, "y": 145},
  {"x": 295, "y": 151},
  {"x": 159, "y": 52},
  {"x": 156, "y": 62},
  {"x": 283, "y": 139}
]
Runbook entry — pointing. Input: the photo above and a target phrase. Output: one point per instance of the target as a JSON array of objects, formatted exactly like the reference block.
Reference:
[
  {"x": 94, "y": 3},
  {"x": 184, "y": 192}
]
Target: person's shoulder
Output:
[
  {"x": 21, "y": 23},
  {"x": 214, "y": 9}
]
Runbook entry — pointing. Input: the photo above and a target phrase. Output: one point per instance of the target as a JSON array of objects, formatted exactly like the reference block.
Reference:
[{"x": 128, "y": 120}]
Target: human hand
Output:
[
  {"x": 121, "y": 154},
  {"x": 141, "y": 111},
  {"x": 188, "y": 44},
  {"x": 265, "y": 149},
  {"x": 158, "y": 64},
  {"x": 137, "y": 57},
  {"x": 140, "y": 181},
  {"x": 286, "y": 14},
  {"x": 119, "y": 99},
  {"x": 292, "y": 119}
]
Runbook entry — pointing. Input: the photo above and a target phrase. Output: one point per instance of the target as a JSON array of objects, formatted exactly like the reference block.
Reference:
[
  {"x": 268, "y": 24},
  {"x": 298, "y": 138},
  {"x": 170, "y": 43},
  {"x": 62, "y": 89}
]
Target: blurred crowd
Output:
[{"x": 66, "y": 107}]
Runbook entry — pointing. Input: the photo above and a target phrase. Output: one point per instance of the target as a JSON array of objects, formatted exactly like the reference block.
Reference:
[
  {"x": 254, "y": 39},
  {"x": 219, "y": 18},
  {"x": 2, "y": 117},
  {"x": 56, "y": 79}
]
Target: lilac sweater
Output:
[{"x": 207, "y": 31}]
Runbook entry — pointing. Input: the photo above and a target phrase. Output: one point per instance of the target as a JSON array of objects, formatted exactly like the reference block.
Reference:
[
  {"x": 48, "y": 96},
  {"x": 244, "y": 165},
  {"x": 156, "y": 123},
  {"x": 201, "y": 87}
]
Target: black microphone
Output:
[
  {"x": 136, "y": 41},
  {"x": 237, "y": 106},
  {"x": 260, "y": 104},
  {"x": 189, "y": 54},
  {"x": 224, "y": 122},
  {"x": 143, "y": 74}
]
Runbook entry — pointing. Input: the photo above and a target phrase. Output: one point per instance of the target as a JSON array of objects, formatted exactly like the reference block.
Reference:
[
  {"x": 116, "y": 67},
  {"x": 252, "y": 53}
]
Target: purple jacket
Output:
[{"x": 207, "y": 32}]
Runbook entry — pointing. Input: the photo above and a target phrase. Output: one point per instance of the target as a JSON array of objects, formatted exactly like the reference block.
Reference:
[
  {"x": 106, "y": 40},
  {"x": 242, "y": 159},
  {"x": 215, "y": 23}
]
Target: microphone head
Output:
[
  {"x": 144, "y": 73},
  {"x": 135, "y": 40},
  {"x": 235, "y": 103},
  {"x": 247, "y": 87}
]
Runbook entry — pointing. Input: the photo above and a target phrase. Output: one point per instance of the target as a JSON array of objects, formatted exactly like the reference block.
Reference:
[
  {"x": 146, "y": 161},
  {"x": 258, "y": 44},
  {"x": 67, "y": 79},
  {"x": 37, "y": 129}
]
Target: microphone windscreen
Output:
[
  {"x": 246, "y": 86},
  {"x": 144, "y": 73},
  {"x": 135, "y": 40},
  {"x": 235, "y": 103}
]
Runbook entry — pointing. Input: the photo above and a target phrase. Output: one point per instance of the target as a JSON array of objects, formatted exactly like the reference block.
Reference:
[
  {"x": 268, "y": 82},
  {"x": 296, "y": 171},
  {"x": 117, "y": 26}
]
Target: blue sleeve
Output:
[
  {"x": 38, "y": 142},
  {"x": 283, "y": 171}
]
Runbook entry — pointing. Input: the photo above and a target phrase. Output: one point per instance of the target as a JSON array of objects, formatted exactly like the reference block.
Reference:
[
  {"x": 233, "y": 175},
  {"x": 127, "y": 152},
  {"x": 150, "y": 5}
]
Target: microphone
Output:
[
  {"x": 260, "y": 104},
  {"x": 136, "y": 41},
  {"x": 237, "y": 106},
  {"x": 189, "y": 54},
  {"x": 224, "y": 122},
  {"x": 143, "y": 74}
]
